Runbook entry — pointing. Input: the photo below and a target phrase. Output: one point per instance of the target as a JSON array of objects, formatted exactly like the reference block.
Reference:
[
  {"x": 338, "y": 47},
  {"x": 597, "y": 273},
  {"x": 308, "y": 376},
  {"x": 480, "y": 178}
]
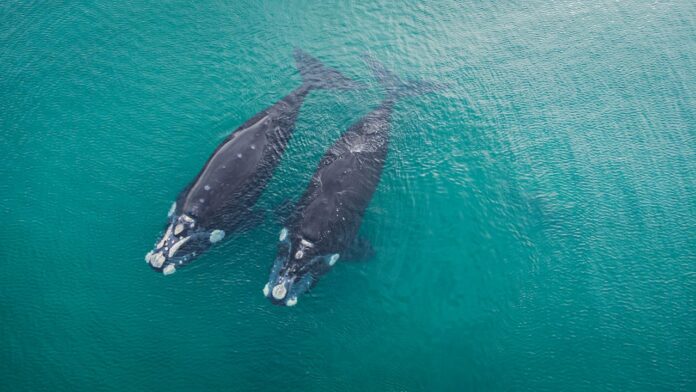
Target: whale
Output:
[
  {"x": 220, "y": 199},
  {"x": 323, "y": 225}
]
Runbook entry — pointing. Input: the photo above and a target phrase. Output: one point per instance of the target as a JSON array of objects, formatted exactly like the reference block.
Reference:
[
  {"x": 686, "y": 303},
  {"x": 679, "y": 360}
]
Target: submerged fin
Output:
[
  {"x": 360, "y": 250},
  {"x": 397, "y": 87},
  {"x": 317, "y": 75}
]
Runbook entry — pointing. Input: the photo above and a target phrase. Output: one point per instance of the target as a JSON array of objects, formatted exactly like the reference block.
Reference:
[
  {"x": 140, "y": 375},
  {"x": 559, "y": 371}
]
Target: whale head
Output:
[
  {"x": 182, "y": 241},
  {"x": 297, "y": 268}
]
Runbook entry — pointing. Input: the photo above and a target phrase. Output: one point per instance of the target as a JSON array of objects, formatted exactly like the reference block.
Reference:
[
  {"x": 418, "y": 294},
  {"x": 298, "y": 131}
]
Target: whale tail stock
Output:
[
  {"x": 396, "y": 87},
  {"x": 317, "y": 75}
]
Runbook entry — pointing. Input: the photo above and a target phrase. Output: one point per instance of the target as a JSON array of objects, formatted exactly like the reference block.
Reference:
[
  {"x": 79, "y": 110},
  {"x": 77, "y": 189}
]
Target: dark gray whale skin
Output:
[
  {"x": 325, "y": 221},
  {"x": 331, "y": 210},
  {"x": 220, "y": 198},
  {"x": 238, "y": 170}
]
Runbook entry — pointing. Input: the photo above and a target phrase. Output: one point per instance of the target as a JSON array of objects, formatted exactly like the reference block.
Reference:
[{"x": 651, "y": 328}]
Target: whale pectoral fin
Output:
[{"x": 360, "y": 250}]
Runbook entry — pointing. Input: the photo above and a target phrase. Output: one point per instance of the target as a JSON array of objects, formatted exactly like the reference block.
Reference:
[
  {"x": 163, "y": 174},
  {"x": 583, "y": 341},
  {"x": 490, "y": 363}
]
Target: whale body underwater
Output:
[
  {"x": 221, "y": 197},
  {"x": 324, "y": 224}
]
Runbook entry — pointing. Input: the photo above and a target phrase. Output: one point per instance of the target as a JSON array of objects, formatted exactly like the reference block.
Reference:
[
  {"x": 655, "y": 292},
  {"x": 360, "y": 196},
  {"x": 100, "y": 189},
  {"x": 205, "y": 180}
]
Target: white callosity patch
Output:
[
  {"x": 171, "y": 210},
  {"x": 147, "y": 256},
  {"x": 291, "y": 301},
  {"x": 303, "y": 244},
  {"x": 207, "y": 187},
  {"x": 283, "y": 234},
  {"x": 216, "y": 235},
  {"x": 178, "y": 229},
  {"x": 165, "y": 237},
  {"x": 333, "y": 259},
  {"x": 178, "y": 245},
  {"x": 169, "y": 269},
  {"x": 279, "y": 291},
  {"x": 157, "y": 260},
  {"x": 358, "y": 147},
  {"x": 266, "y": 290}
]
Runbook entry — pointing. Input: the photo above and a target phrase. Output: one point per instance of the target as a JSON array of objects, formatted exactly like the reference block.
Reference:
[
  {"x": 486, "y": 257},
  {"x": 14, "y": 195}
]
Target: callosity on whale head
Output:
[
  {"x": 182, "y": 241},
  {"x": 297, "y": 267}
]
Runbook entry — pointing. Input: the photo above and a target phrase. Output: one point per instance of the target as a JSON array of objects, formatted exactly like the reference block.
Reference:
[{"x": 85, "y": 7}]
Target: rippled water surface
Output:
[{"x": 535, "y": 225}]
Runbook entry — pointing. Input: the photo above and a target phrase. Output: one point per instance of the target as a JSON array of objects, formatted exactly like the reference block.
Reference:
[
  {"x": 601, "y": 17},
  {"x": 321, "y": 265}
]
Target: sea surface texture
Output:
[{"x": 534, "y": 227}]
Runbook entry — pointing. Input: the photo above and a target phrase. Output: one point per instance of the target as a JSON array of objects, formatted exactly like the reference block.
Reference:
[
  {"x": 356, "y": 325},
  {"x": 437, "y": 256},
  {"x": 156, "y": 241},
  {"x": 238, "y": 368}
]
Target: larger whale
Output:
[
  {"x": 324, "y": 224},
  {"x": 220, "y": 198}
]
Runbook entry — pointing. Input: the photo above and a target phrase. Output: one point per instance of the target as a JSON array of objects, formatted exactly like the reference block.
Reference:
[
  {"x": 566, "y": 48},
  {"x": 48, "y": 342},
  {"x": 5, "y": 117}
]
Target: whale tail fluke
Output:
[
  {"x": 317, "y": 75},
  {"x": 397, "y": 87}
]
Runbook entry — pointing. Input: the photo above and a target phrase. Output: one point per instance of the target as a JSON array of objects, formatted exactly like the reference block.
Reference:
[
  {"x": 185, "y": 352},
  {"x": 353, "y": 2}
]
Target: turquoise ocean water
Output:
[{"x": 535, "y": 225}]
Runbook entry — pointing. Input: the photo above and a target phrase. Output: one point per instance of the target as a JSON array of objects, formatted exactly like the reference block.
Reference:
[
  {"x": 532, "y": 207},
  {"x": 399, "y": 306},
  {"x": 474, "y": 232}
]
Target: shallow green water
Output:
[{"x": 535, "y": 224}]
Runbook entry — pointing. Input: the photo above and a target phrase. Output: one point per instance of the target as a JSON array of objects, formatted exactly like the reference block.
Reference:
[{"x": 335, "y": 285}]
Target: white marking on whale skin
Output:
[
  {"x": 239, "y": 155},
  {"x": 179, "y": 244},
  {"x": 169, "y": 269},
  {"x": 179, "y": 228},
  {"x": 299, "y": 254},
  {"x": 279, "y": 291},
  {"x": 283, "y": 234},
  {"x": 360, "y": 147},
  {"x": 374, "y": 127},
  {"x": 207, "y": 187},
  {"x": 216, "y": 235},
  {"x": 147, "y": 256},
  {"x": 157, "y": 260},
  {"x": 187, "y": 218},
  {"x": 266, "y": 290},
  {"x": 306, "y": 243},
  {"x": 291, "y": 301},
  {"x": 333, "y": 259},
  {"x": 171, "y": 210},
  {"x": 165, "y": 237},
  {"x": 253, "y": 147}
]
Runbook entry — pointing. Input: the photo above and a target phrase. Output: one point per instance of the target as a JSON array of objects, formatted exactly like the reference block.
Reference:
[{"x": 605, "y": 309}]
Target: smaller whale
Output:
[
  {"x": 323, "y": 226},
  {"x": 220, "y": 198}
]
